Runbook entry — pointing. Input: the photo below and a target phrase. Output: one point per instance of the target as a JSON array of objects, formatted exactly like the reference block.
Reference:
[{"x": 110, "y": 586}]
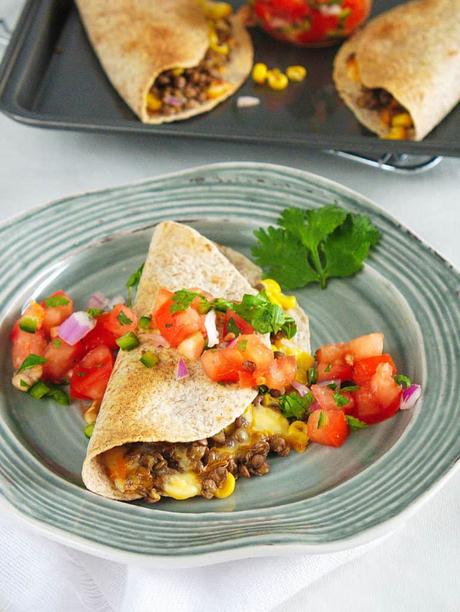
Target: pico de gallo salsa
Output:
[{"x": 59, "y": 352}]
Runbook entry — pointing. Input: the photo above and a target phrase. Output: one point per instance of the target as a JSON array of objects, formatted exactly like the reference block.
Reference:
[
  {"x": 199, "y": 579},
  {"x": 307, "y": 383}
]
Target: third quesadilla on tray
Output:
[
  {"x": 400, "y": 75},
  {"x": 169, "y": 59}
]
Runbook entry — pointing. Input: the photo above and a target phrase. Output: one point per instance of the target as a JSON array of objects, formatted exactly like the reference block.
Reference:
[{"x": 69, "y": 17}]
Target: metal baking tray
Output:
[{"x": 50, "y": 77}]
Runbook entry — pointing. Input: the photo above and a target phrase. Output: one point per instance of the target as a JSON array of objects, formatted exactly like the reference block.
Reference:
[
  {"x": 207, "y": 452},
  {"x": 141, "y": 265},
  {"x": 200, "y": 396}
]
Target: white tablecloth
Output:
[{"x": 415, "y": 568}]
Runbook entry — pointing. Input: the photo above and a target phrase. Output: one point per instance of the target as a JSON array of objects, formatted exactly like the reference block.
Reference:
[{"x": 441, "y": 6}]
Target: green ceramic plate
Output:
[{"x": 322, "y": 500}]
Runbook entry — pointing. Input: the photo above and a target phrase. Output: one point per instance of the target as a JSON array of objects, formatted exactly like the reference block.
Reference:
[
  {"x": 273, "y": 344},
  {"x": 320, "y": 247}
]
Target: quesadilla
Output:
[
  {"x": 169, "y": 59},
  {"x": 400, "y": 75},
  {"x": 163, "y": 433}
]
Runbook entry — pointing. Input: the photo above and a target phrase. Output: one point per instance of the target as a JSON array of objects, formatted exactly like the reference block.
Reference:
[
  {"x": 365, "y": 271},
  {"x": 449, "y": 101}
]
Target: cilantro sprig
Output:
[
  {"x": 311, "y": 246},
  {"x": 257, "y": 310},
  {"x": 132, "y": 283},
  {"x": 292, "y": 405}
]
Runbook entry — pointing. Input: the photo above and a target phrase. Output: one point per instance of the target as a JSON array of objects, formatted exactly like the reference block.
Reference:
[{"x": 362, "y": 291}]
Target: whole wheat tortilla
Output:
[
  {"x": 136, "y": 40},
  {"x": 413, "y": 52}
]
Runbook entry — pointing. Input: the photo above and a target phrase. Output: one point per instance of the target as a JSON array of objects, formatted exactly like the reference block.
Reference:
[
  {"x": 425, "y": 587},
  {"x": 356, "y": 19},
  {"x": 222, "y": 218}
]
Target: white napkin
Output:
[{"x": 41, "y": 576}]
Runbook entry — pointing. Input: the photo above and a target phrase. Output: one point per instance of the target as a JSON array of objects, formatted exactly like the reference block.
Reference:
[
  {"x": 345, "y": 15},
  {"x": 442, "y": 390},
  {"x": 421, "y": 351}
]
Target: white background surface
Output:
[{"x": 414, "y": 569}]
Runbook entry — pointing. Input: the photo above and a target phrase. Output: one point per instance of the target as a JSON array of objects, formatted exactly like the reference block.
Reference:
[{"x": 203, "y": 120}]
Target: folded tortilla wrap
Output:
[
  {"x": 412, "y": 52},
  {"x": 151, "y": 405},
  {"x": 137, "y": 40}
]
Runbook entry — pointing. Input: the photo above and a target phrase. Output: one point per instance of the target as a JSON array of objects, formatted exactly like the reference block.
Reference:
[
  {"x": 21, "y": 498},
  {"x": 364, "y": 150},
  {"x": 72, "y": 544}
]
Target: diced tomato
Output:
[
  {"x": 364, "y": 347},
  {"x": 379, "y": 398},
  {"x": 25, "y": 343},
  {"x": 119, "y": 321},
  {"x": 281, "y": 373},
  {"x": 246, "y": 379},
  {"x": 55, "y": 315},
  {"x": 163, "y": 296},
  {"x": 90, "y": 376},
  {"x": 328, "y": 427},
  {"x": 192, "y": 347},
  {"x": 335, "y": 370},
  {"x": 177, "y": 326},
  {"x": 98, "y": 336},
  {"x": 253, "y": 349},
  {"x": 60, "y": 358},
  {"x": 325, "y": 397},
  {"x": 35, "y": 314},
  {"x": 364, "y": 369},
  {"x": 243, "y": 326},
  {"x": 222, "y": 365}
]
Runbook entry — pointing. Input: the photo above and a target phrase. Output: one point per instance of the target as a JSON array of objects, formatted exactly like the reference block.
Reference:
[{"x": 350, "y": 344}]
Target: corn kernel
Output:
[
  {"x": 226, "y": 488},
  {"x": 182, "y": 486},
  {"x": 352, "y": 69},
  {"x": 271, "y": 286},
  {"x": 269, "y": 421},
  {"x": 305, "y": 360},
  {"x": 153, "y": 103},
  {"x": 297, "y": 436},
  {"x": 276, "y": 296},
  {"x": 402, "y": 120},
  {"x": 177, "y": 71},
  {"x": 217, "y": 90},
  {"x": 385, "y": 116},
  {"x": 296, "y": 73},
  {"x": 396, "y": 133},
  {"x": 277, "y": 80},
  {"x": 288, "y": 302},
  {"x": 217, "y": 10},
  {"x": 259, "y": 73}
]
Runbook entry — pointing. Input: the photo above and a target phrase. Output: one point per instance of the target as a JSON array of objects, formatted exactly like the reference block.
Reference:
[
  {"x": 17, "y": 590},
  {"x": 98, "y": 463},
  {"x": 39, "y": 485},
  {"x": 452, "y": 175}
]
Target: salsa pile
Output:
[{"x": 58, "y": 352}]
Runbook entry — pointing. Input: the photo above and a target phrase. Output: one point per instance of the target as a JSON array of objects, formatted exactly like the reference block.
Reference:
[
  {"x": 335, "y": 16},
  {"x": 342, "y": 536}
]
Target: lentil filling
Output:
[{"x": 181, "y": 89}]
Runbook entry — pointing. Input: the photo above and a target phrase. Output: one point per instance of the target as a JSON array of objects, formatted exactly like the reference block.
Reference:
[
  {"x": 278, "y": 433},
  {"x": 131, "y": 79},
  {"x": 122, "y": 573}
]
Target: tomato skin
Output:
[
  {"x": 24, "y": 343},
  {"x": 379, "y": 398},
  {"x": 335, "y": 361},
  {"x": 55, "y": 315},
  {"x": 364, "y": 347},
  {"x": 241, "y": 324},
  {"x": 99, "y": 335},
  {"x": 60, "y": 358},
  {"x": 177, "y": 326},
  {"x": 90, "y": 375},
  {"x": 335, "y": 370},
  {"x": 111, "y": 323},
  {"x": 364, "y": 369},
  {"x": 281, "y": 373},
  {"x": 253, "y": 349},
  {"x": 222, "y": 365},
  {"x": 333, "y": 430}
]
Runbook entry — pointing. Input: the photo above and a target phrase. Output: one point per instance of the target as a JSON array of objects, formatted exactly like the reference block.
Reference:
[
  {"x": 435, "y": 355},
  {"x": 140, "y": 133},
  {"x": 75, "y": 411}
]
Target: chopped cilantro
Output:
[
  {"x": 94, "y": 312},
  {"x": 123, "y": 319},
  {"x": 294, "y": 406},
  {"x": 314, "y": 245},
  {"x": 322, "y": 420},
  {"x": 404, "y": 381},
  {"x": 332, "y": 386},
  {"x": 355, "y": 423},
  {"x": 221, "y": 305},
  {"x": 350, "y": 388},
  {"x": 24, "y": 383},
  {"x": 264, "y": 316},
  {"x": 133, "y": 282},
  {"x": 31, "y": 361},
  {"x": 56, "y": 300},
  {"x": 183, "y": 299},
  {"x": 312, "y": 374},
  {"x": 340, "y": 399},
  {"x": 328, "y": 368},
  {"x": 56, "y": 342},
  {"x": 233, "y": 327}
]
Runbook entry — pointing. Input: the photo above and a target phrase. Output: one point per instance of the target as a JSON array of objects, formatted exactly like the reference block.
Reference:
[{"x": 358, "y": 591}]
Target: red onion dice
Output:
[
  {"x": 182, "y": 370},
  {"x": 410, "y": 397},
  {"x": 76, "y": 327}
]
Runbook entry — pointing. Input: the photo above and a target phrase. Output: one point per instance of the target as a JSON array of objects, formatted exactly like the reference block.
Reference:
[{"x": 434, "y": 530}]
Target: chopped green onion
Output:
[
  {"x": 332, "y": 386},
  {"x": 355, "y": 423},
  {"x": 312, "y": 374},
  {"x": 149, "y": 359},
  {"x": 39, "y": 390},
  {"x": 128, "y": 342},
  {"x": 28, "y": 325},
  {"x": 94, "y": 312},
  {"x": 123, "y": 319},
  {"x": 31, "y": 361},
  {"x": 56, "y": 342},
  {"x": 340, "y": 399},
  {"x": 59, "y": 396},
  {"x": 322, "y": 420},
  {"x": 350, "y": 388},
  {"x": 402, "y": 380},
  {"x": 144, "y": 322},
  {"x": 56, "y": 300},
  {"x": 133, "y": 281},
  {"x": 89, "y": 430}
]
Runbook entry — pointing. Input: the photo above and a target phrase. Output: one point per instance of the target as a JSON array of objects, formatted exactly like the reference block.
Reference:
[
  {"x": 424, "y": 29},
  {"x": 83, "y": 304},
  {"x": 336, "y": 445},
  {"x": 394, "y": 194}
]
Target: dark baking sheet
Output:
[{"x": 50, "y": 77}]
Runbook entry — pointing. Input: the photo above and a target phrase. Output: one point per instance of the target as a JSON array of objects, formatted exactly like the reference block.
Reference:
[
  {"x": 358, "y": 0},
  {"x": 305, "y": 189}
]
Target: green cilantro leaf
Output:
[
  {"x": 264, "y": 316},
  {"x": 402, "y": 380},
  {"x": 294, "y": 406},
  {"x": 133, "y": 282},
  {"x": 233, "y": 327},
  {"x": 355, "y": 423},
  {"x": 314, "y": 245},
  {"x": 350, "y": 388},
  {"x": 31, "y": 361},
  {"x": 123, "y": 319},
  {"x": 340, "y": 399},
  {"x": 95, "y": 312},
  {"x": 183, "y": 299},
  {"x": 56, "y": 300}
]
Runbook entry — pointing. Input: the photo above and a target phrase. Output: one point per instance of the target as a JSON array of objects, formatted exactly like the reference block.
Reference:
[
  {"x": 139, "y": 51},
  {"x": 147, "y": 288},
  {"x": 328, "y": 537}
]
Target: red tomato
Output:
[
  {"x": 35, "y": 313},
  {"x": 328, "y": 427},
  {"x": 364, "y": 347},
  {"x": 281, "y": 373},
  {"x": 119, "y": 321},
  {"x": 364, "y": 369},
  {"x": 55, "y": 315},
  {"x": 310, "y": 22},
  {"x": 177, "y": 326},
  {"x": 192, "y": 347},
  {"x": 24, "y": 344},
  {"x": 222, "y": 365},
  {"x": 60, "y": 358},
  {"x": 99, "y": 335},
  {"x": 90, "y": 376},
  {"x": 378, "y": 398},
  {"x": 326, "y": 400},
  {"x": 243, "y": 326},
  {"x": 163, "y": 296},
  {"x": 336, "y": 360},
  {"x": 253, "y": 349}
]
